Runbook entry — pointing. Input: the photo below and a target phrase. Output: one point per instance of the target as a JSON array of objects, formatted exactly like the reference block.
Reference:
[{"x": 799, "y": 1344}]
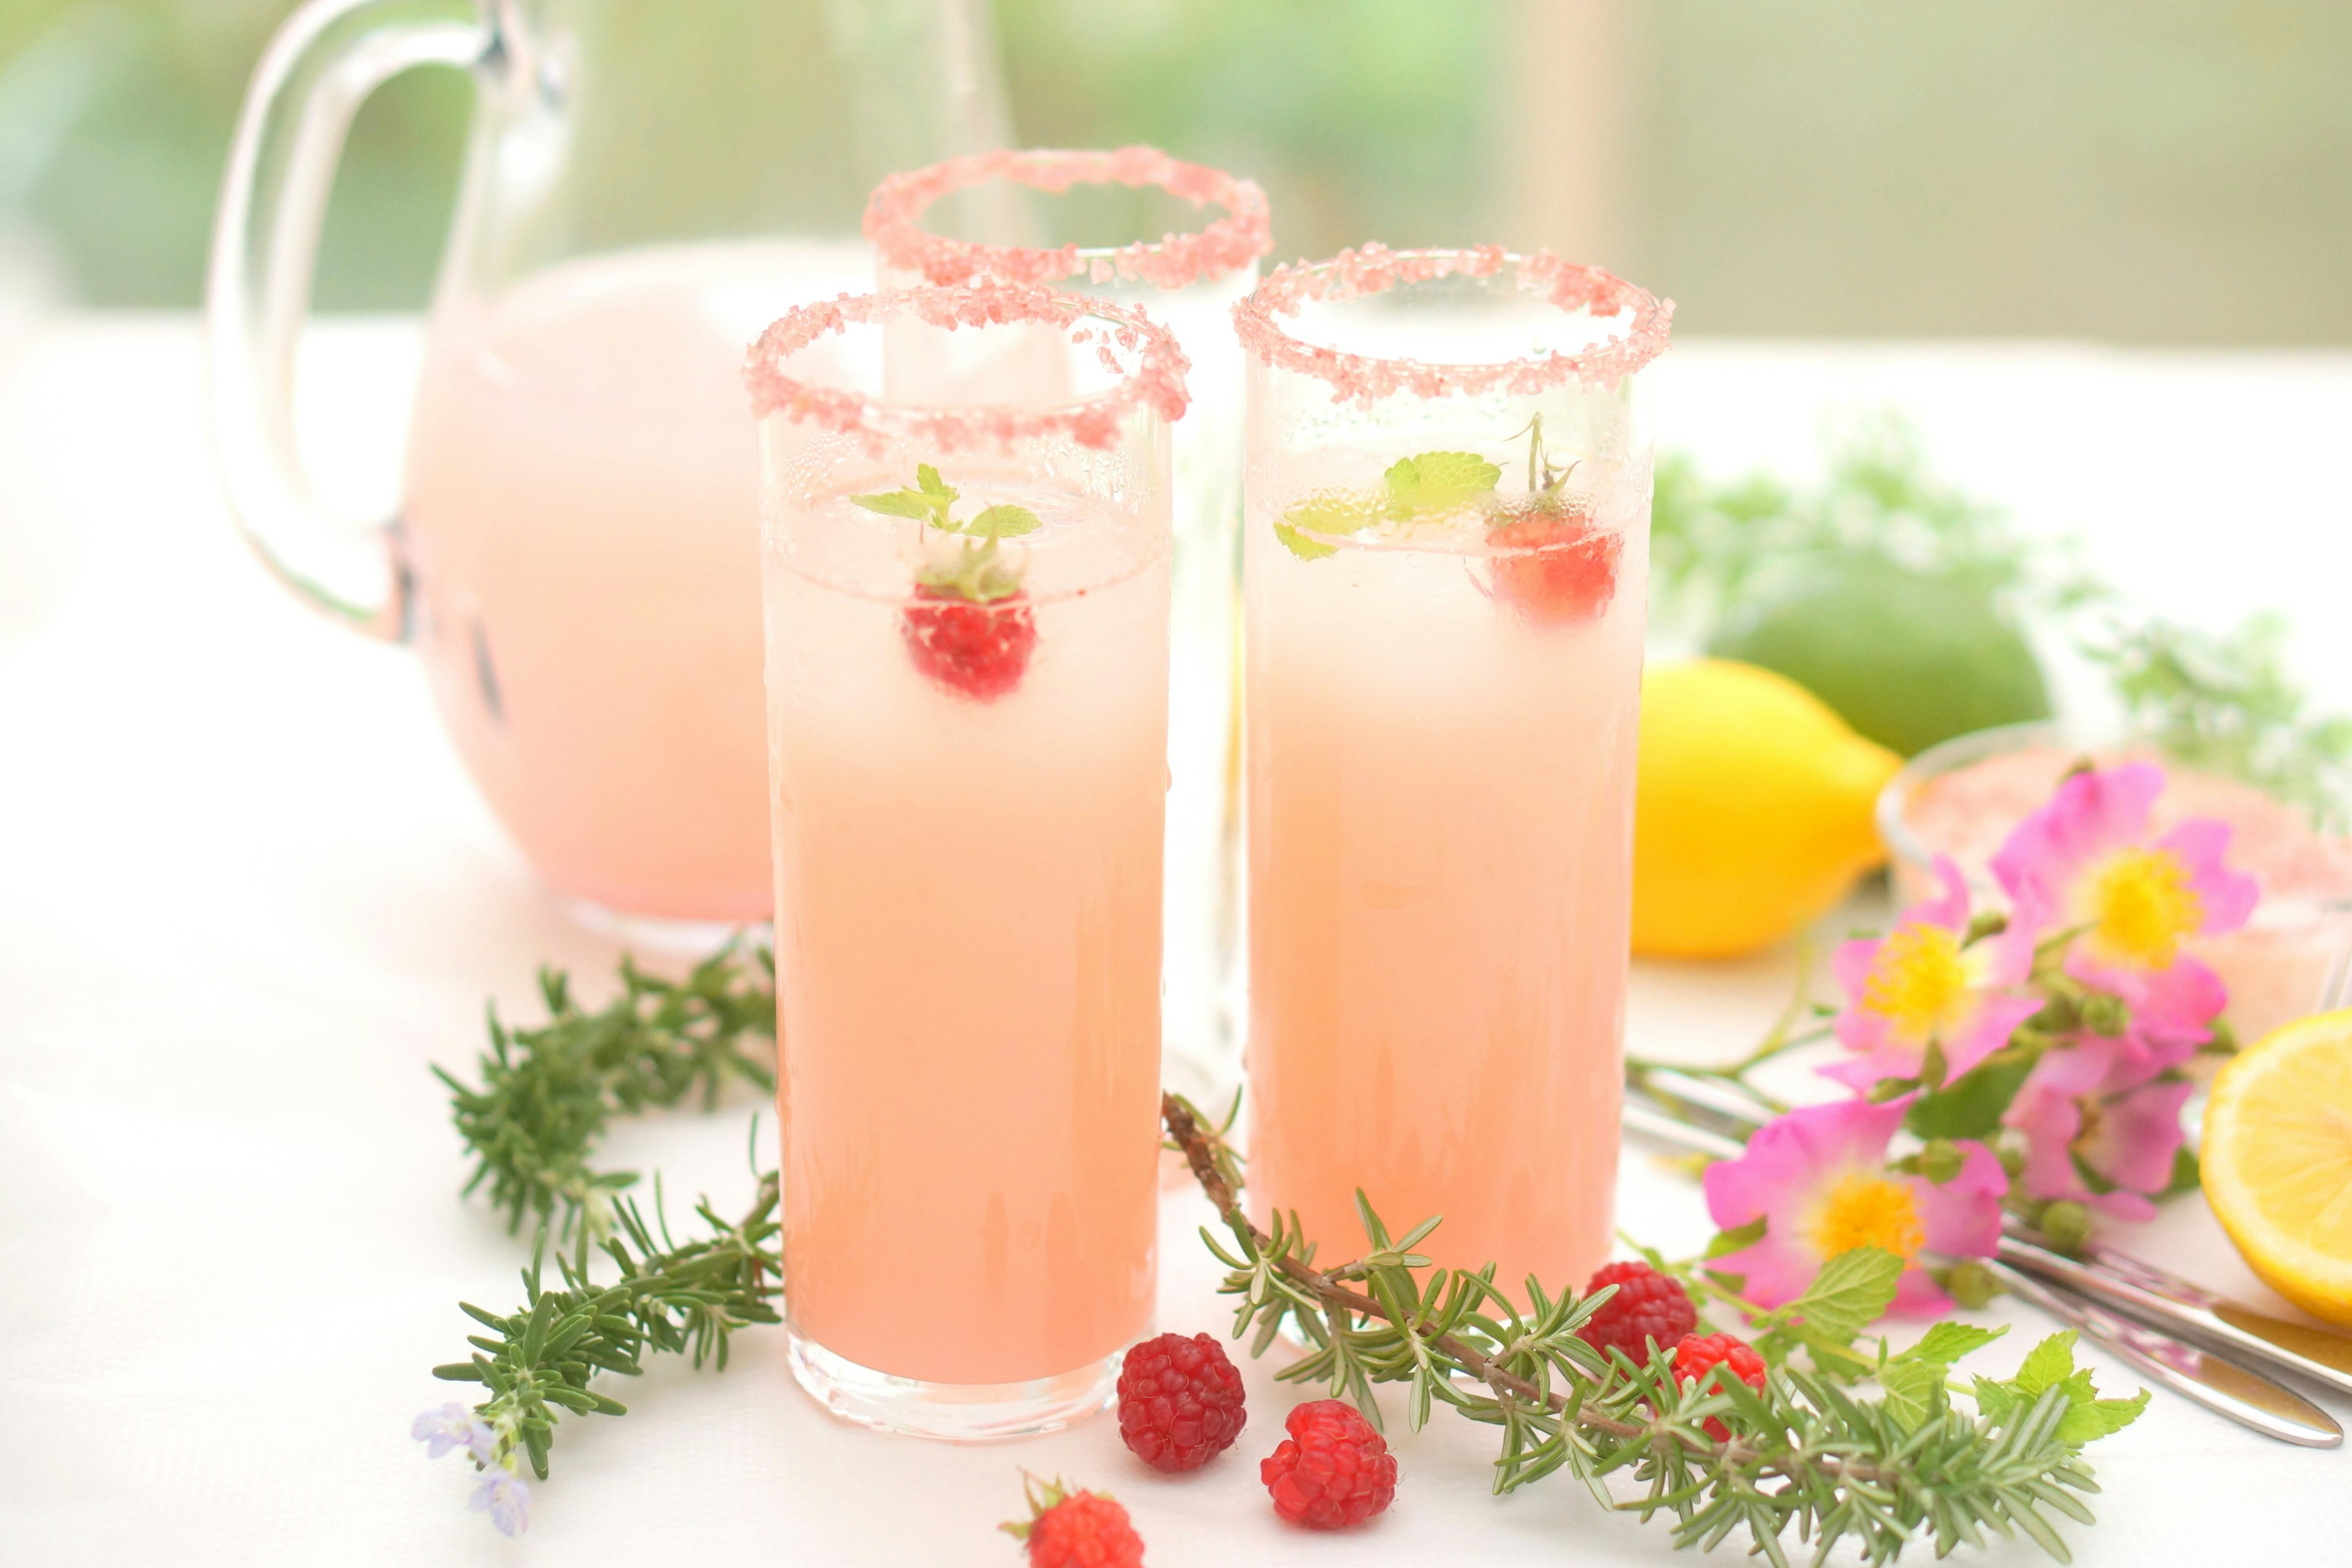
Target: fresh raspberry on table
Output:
[
  {"x": 1069, "y": 1529},
  {"x": 1333, "y": 1470},
  {"x": 975, "y": 649},
  {"x": 1180, "y": 1402},
  {"x": 1649, "y": 1306},
  {"x": 1697, "y": 1354}
]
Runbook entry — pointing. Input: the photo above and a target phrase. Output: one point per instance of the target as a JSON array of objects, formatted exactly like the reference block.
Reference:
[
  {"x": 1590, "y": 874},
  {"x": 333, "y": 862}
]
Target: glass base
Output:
[
  {"x": 951, "y": 1412},
  {"x": 654, "y": 933}
]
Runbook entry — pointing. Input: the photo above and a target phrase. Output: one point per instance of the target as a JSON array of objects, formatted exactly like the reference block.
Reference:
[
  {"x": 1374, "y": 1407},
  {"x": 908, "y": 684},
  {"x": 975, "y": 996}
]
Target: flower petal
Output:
[
  {"x": 2089, "y": 813},
  {"x": 1962, "y": 1217},
  {"x": 2226, "y": 898}
]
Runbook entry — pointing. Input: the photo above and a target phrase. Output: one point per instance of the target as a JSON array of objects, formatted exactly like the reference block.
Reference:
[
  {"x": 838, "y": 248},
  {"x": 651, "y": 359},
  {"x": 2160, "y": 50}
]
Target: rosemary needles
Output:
[{"x": 547, "y": 1093}]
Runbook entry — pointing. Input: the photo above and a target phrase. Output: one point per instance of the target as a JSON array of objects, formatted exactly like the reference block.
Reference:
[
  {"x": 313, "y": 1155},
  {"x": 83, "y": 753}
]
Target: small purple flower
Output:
[
  {"x": 506, "y": 1498},
  {"x": 453, "y": 1427}
]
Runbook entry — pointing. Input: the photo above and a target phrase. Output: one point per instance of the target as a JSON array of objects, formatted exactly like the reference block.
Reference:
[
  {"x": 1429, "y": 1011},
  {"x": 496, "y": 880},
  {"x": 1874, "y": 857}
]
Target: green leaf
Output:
[
  {"x": 1003, "y": 522},
  {"x": 1945, "y": 1344},
  {"x": 1438, "y": 482},
  {"x": 2049, "y": 1362},
  {"x": 895, "y": 503},
  {"x": 926, "y": 501},
  {"x": 1300, "y": 545},
  {"x": 1997, "y": 1402},
  {"x": 2095, "y": 1418},
  {"x": 1736, "y": 1239},
  {"x": 1913, "y": 1390},
  {"x": 1853, "y": 1291},
  {"x": 1970, "y": 1106},
  {"x": 1324, "y": 512}
]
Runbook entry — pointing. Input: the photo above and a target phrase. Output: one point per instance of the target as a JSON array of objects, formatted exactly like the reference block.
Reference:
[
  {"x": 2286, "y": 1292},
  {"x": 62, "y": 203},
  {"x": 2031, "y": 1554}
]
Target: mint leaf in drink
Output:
[
  {"x": 895, "y": 503},
  {"x": 1325, "y": 511},
  {"x": 926, "y": 500},
  {"x": 1002, "y": 522},
  {"x": 1298, "y": 545},
  {"x": 1434, "y": 482},
  {"x": 976, "y": 572}
]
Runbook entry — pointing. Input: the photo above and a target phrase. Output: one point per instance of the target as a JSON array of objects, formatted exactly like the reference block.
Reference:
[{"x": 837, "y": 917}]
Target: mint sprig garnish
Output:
[
  {"x": 927, "y": 501},
  {"x": 1433, "y": 483},
  {"x": 977, "y": 572},
  {"x": 1412, "y": 489}
]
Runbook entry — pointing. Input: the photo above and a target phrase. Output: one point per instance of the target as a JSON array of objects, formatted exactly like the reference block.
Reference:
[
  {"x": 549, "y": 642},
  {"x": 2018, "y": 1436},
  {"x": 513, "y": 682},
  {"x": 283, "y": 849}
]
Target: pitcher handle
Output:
[{"x": 322, "y": 63}]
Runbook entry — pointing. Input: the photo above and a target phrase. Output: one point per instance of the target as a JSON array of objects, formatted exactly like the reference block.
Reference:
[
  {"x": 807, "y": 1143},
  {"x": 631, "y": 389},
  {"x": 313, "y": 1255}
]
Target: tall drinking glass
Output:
[
  {"x": 1090, "y": 219},
  {"x": 967, "y": 654},
  {"x": 1448, "y": 492}
]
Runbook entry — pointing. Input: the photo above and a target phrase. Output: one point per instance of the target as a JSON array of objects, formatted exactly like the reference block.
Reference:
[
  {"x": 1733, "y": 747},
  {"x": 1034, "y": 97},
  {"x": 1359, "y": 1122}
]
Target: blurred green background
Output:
[{"x": 2156, "y": 171}]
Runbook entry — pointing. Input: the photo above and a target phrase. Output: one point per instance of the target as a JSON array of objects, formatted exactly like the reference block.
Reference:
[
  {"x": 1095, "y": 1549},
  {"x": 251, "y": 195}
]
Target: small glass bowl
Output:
[{"x": 2291, "y": 959}]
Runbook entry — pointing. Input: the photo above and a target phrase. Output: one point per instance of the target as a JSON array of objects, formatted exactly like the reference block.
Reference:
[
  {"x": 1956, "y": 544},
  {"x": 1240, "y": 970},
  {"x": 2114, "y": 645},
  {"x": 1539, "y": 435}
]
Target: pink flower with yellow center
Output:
[
  {"x": 1924, "y": 984},
  {"x": 1818, "y": 1178},
  {"x": 2086, "y": 860},
  {"x": 2102, "y": 1123}
]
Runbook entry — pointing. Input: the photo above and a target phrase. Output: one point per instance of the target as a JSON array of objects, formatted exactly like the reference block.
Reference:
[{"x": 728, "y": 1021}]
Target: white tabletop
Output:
[{"x": 246, "y": 894}]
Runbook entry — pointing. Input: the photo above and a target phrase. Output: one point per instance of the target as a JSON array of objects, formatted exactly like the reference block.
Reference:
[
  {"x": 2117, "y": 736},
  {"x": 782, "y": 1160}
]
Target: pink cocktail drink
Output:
[
  {"x": 1182, "y": 241},
  {"x": 1445, "y": 568},
  {"x": 967, "y": 641},
  {"x": 583, "y": 522}
]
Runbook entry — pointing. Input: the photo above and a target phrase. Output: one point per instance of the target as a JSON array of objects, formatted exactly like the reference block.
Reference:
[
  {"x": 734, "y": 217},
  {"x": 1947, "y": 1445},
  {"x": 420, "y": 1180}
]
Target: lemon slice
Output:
[{"x": 2277, "y": 1158}]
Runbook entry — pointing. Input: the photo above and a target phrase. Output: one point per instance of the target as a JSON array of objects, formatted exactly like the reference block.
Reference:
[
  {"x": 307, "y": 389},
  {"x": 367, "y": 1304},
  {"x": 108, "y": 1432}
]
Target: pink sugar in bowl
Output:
[{"x": 1962, "y": 797}]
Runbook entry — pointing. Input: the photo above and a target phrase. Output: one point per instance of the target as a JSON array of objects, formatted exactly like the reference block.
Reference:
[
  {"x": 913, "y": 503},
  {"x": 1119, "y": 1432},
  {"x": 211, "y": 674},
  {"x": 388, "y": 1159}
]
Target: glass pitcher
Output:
[{"x": 575, "y": 557}]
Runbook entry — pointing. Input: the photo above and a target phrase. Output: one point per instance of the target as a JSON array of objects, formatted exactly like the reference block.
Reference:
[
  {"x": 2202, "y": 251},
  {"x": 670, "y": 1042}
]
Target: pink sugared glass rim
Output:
[
  {"x": 1375, "y": 270},
  {"x": 1154, "y": 379},
  {"x": 894, "y": 220}
]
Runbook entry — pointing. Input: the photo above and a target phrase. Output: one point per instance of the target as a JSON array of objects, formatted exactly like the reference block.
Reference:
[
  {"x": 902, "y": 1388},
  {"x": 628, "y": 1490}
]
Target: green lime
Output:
[{"x": 1906, "y": 658}]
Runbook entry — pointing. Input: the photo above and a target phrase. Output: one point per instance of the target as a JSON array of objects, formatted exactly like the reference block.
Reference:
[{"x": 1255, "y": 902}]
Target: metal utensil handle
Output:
[
  {"x": 2122, "y": 1282},
  {"x": 2218, "y": 1384}
]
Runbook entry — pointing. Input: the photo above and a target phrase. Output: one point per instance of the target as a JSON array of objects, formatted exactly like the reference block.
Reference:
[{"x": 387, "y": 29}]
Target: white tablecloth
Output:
[{"x": 246, "y": 895}]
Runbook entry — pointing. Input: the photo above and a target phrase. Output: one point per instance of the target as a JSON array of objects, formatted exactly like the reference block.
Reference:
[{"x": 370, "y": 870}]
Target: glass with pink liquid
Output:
[
  {"x": 1182, "y": 242},
  {"x": 966, "y": 649},
  {"x": 1447, "y": 539},
  {"x": 575, "y": 554}
]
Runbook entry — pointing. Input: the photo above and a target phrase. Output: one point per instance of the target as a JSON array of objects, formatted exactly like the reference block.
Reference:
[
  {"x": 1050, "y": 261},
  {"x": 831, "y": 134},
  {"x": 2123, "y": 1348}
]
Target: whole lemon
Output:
[{"x": 1752, "y": 812}]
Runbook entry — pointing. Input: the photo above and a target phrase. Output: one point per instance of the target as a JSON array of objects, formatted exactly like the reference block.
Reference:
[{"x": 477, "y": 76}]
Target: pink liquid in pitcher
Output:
[
  {"x": 1440, "y": 835},
  {"x": 583, "y": 518}
]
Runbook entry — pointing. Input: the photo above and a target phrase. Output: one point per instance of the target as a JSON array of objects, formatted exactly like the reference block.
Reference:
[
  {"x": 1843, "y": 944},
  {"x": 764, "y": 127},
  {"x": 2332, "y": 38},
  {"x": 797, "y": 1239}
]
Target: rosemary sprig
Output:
[
  {"x": 536, "y": 1361},
  {"x": 547, "y": 1093},
  {"x": 1805, "y": 1453}
]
